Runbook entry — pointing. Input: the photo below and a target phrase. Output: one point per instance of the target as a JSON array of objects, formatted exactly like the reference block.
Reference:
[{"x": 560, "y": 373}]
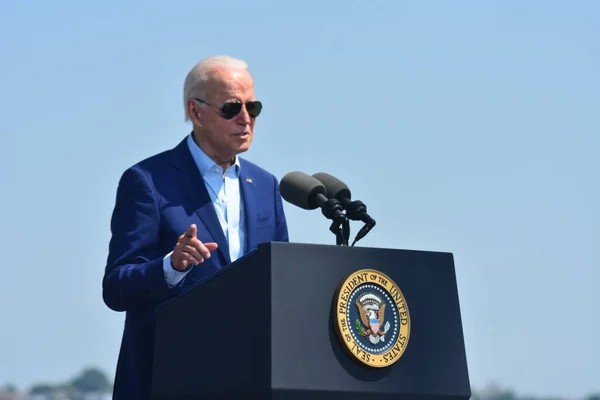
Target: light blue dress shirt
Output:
[{"x": 224, "y": 190}]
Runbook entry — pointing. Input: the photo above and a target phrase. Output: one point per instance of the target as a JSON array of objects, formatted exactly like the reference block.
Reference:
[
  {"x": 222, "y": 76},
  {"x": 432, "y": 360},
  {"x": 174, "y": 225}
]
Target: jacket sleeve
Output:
[{"x": 134, "y": 272}]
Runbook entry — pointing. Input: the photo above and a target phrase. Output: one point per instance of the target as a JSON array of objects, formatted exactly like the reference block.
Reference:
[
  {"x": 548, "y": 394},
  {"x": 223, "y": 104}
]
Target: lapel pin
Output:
[{"x": 249, "y": 180}]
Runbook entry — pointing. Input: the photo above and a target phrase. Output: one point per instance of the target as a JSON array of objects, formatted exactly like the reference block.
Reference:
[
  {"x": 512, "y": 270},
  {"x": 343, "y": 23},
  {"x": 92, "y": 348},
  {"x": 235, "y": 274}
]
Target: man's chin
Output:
[{"x": 243, "y": 147}]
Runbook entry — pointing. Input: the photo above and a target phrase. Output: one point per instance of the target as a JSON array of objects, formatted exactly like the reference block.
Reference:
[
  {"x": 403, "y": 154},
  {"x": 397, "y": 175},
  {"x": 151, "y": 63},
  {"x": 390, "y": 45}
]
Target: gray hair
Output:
[{"x": 200, "y": 73}]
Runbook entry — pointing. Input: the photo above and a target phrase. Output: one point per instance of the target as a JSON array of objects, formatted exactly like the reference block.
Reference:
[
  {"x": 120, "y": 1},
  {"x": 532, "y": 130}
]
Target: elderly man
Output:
[{"x": 183, "y": 214}]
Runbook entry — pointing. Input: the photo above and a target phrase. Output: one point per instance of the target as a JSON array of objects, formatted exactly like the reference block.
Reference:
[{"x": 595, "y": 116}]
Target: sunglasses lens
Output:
[
  {"x": 230, "y": 110},
  {"x": 254, "y": 108}
]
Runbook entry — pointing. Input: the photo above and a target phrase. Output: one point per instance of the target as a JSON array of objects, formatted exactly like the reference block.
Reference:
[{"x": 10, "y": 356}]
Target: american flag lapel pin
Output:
[{"x": 249, "y": 180}]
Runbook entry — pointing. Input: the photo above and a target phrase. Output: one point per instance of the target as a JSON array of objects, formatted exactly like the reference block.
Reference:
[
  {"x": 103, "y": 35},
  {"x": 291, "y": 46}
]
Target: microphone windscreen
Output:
[
  {"x": 336, "y": 189},
  {"x": 301, "y": 189}
]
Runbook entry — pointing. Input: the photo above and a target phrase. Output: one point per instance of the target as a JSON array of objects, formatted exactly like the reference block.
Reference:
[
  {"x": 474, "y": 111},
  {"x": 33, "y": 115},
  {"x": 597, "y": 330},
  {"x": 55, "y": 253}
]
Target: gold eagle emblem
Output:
[{"x": 371, "y": 319}]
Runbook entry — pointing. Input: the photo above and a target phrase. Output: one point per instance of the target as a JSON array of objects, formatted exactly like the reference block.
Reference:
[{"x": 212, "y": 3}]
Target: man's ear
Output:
[{"x": 193, "y": 109}]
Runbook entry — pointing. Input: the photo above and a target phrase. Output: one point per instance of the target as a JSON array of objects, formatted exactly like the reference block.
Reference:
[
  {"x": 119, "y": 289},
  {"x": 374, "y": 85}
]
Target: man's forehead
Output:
[
  {"x": 227, "y": 82},
  {"x": 229, "y": 77}
]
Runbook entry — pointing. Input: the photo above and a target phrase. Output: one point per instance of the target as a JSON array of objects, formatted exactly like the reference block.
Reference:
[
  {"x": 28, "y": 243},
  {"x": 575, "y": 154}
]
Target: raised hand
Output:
[{"x": 190, "y": 251}]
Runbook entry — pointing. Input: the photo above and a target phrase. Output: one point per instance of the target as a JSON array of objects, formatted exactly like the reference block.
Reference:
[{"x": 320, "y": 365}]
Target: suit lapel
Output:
[
  {"x": 248, "y": 191},
  {"x": 209, "y": 218},
  {"x": 195, "y": 189}
]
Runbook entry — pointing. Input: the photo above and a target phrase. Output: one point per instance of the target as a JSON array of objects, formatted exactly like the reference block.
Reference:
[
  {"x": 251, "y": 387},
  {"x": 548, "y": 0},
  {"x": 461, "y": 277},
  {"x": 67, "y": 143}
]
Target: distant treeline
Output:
[
  {"x": 497, "y": 393},
  {"x": 91, "y": 382}
]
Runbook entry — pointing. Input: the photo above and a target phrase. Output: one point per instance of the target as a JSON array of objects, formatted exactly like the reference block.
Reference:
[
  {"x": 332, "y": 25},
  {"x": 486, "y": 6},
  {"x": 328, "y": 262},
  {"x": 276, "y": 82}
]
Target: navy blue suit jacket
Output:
[{"x": 157, "y": 200}]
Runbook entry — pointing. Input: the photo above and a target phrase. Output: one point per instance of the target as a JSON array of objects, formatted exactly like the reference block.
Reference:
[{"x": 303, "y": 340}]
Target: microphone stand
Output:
[
  {"x": 346, "y": 228},
  {"x": 333, "y": 210},
  {"x": 341, "y": 231}
]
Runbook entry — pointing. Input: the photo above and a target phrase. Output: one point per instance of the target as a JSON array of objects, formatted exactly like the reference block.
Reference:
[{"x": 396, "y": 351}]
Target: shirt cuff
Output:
[{"x": 172, "y": 276}]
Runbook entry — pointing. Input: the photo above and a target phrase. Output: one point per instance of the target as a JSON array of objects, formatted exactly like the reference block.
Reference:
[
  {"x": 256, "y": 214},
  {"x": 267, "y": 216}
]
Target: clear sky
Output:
[{"x": 469, "y": 127}]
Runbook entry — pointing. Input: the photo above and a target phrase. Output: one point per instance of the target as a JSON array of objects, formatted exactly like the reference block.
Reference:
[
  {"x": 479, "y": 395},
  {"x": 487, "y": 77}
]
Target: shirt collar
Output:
[{"x": 205, "y": 164}]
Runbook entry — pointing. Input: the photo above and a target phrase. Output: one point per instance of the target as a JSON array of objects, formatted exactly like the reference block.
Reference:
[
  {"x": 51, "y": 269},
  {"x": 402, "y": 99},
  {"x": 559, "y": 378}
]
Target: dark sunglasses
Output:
[{"x": 233, "y": 108}]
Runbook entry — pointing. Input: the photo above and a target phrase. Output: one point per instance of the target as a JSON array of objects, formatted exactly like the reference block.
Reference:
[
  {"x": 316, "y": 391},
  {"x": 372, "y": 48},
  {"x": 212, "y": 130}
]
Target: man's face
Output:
[{"x": 225, "y": 138}]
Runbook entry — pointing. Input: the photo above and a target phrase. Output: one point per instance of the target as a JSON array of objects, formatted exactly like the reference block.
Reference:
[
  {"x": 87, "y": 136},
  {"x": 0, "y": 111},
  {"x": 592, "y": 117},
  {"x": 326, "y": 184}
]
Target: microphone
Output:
[
  {"x": 355, "y": 210},
  {"x": 307, "y": 192}
]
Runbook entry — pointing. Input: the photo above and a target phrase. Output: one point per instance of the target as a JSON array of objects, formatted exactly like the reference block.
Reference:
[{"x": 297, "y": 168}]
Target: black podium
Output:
[{"x": 283, "y": 322}]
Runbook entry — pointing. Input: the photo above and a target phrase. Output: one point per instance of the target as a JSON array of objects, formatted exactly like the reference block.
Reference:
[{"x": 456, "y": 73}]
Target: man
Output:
[{"x": 185, "y": 213}]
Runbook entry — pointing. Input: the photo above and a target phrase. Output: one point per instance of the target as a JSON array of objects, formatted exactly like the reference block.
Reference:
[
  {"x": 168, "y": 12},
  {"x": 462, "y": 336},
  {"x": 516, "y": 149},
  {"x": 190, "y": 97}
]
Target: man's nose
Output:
[{"x": 243, "y": 118}]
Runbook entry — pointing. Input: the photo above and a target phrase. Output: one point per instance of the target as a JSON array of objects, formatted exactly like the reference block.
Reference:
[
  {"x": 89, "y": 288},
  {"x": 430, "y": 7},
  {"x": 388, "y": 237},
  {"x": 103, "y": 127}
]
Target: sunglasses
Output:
[{"x": 233, "y": 108}]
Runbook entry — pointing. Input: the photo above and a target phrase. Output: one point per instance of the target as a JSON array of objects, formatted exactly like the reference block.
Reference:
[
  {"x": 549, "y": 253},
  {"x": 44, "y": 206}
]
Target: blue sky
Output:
[{"x": 468, "y": 127}]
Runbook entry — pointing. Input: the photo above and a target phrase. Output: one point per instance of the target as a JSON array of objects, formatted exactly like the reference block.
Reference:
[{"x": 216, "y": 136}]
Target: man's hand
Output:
[{"x": 190, "y": 251}]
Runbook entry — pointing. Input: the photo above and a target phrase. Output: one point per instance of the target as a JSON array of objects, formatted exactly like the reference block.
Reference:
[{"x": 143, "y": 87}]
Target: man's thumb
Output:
[
  {"x": 212, "y": 246},
  {"x": 192, "y": 231}
]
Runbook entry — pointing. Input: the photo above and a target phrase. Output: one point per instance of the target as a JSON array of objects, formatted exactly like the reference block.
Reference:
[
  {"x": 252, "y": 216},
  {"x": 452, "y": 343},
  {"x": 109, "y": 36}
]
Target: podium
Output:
[{"x": 303, "y": 321}]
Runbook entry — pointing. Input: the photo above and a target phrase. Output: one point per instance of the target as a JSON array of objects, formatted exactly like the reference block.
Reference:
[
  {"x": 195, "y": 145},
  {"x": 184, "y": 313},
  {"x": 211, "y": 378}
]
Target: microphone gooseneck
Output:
[{"x": 355, "y": 210}]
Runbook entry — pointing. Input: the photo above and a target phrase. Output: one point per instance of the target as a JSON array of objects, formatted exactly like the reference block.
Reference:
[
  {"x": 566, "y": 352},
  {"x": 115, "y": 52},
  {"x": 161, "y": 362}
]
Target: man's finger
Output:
[
  {"x": 193, "y": 251},
  {"x": 192, "y": 259},
  {"x": 201, "y": 247}
]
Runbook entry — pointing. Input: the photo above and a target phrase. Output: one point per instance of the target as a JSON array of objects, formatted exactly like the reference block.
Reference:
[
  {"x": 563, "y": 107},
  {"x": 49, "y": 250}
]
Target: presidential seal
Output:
[{"x": 371, "y": 318}]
